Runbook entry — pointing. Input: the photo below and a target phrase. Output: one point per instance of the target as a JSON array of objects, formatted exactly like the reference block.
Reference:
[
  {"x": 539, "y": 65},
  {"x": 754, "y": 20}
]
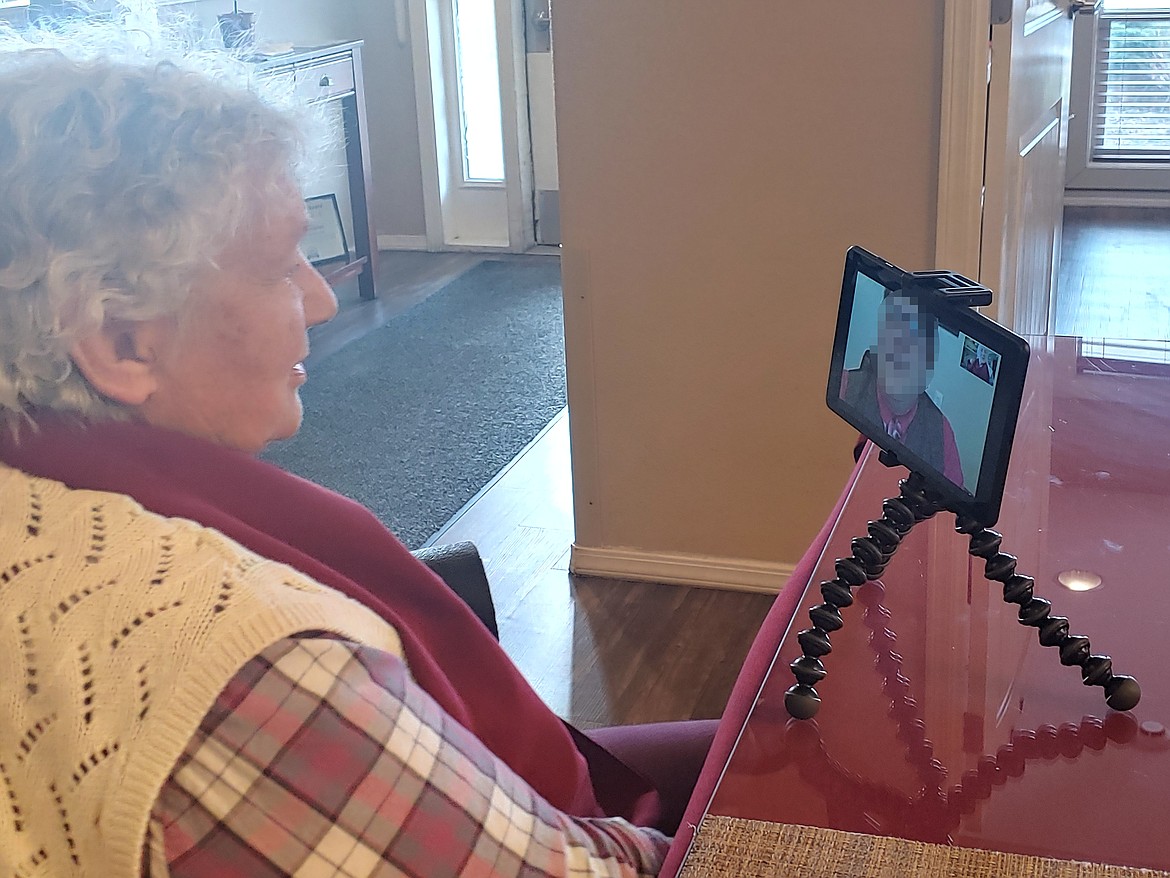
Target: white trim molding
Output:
[
  {"x": 1115, "y": 198},
  {"x": 731, "y": 574},
  {"x": 962, "y": 132},
  {"x": 423, "y": 46},
  {"x": 402, "y": 242}
]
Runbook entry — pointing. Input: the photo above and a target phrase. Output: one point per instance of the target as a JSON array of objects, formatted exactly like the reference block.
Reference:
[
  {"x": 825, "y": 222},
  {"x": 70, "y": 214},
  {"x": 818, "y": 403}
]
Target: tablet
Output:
[{"x": 927, "y": 378}]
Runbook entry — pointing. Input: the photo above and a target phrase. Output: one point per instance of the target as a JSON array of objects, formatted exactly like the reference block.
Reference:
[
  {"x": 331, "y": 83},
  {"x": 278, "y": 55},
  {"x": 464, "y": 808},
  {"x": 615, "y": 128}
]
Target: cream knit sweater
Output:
[{"x": 119, "y": 630}]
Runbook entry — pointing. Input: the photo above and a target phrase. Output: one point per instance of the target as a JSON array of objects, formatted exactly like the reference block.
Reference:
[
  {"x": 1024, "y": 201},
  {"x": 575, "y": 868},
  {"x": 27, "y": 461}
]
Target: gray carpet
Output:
[{"x": 413, "y": 419}]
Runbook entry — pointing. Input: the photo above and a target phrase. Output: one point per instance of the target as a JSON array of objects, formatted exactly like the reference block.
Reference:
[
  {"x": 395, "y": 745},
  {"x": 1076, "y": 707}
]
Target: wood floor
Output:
[
  {"x": 1115, "y": 274},
  {"x": 603, "y": 652},
  {"x": 600, "y": 652}
]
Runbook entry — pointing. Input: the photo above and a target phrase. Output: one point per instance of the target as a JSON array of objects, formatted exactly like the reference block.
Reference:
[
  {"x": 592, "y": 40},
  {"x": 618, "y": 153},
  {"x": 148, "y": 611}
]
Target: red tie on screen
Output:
[{"x": 895, "y": 428}]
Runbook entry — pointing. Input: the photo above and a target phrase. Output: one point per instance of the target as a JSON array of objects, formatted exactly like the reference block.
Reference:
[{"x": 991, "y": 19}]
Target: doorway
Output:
[
  {"x": 1114, "y": 282},
  {"x": 487, "y": 130},
  {"x": 1002, "y": 151}
]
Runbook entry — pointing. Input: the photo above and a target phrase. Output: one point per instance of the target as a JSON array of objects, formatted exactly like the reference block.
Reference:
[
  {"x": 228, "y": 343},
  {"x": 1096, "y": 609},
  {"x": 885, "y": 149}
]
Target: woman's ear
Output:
[{"x": 122, "y": 359}]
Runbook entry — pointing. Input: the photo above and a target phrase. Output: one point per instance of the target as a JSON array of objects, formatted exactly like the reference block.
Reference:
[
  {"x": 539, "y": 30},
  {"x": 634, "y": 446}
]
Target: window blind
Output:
[{"x": 1131, "y": 95}]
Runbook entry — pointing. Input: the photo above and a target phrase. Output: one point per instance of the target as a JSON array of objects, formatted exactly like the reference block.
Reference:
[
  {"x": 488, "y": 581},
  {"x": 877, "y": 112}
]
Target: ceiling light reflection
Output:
[{"x": 1079, "y": 580}]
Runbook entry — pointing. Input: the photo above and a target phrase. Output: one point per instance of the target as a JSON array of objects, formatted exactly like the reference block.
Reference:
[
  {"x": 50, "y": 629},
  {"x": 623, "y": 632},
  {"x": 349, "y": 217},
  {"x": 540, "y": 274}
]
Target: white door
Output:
[
  {"x": 475, "y": 203},
  {"x": 1001, "y": 186},
  {"x": 1027, "y": 124},
  {"x": 473, "y": 125},
  {"x": 541, "y": 117}
]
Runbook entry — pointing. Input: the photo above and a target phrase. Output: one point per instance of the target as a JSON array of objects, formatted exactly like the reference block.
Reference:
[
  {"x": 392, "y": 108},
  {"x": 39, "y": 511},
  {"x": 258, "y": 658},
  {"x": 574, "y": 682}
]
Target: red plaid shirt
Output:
[{"x": 325, "y": 758}]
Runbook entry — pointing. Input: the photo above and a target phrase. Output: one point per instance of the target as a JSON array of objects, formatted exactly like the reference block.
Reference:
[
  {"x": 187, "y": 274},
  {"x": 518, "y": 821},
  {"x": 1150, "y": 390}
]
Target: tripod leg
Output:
[
  {"x": 1121, "y": 692},
  {"x": 870, "y": 555}
]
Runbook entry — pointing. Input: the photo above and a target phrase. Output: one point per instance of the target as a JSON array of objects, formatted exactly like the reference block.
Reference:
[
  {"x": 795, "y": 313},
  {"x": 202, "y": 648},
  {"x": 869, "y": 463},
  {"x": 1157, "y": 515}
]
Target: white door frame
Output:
[
  {"x": 962, "y": 135},
  {"x": 427, "y": 55}
]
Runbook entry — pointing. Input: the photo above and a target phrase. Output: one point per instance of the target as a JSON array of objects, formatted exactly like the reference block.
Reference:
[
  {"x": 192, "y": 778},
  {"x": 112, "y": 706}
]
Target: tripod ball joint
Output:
[
  {"x": 1122, "y": 692},
  {"x": 808, "y": 670},
  {"x": 802, "y": 701},
  {"x": 898, "y": 515},
  {"x": 814, "y": 642}
]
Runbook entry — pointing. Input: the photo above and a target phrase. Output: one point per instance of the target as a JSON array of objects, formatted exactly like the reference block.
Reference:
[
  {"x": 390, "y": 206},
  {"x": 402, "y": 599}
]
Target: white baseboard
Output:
[
  {"x": 402, "y": 242},
  {"x": 1105, "y": 198},
  {"x": 732, "y": 574}
]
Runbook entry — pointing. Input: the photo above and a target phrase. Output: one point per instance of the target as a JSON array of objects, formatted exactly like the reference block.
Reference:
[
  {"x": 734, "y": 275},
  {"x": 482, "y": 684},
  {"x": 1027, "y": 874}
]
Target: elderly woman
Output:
[{"x": 213, "y": 667}]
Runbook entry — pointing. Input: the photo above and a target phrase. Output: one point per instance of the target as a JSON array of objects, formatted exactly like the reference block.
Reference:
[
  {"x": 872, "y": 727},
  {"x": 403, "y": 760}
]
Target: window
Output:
[
  {"x": 1130, "y": 114},
  {"x": 478, "y": 78}
]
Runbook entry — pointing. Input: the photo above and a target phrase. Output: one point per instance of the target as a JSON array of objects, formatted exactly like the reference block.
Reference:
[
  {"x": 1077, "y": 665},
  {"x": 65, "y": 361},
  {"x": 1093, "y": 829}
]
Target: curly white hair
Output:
[{"x": 122, "y": 174}]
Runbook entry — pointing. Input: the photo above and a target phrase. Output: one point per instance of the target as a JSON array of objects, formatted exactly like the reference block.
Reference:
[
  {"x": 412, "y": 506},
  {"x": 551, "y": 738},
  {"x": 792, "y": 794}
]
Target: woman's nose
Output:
[{"x": 320, "y": 301}]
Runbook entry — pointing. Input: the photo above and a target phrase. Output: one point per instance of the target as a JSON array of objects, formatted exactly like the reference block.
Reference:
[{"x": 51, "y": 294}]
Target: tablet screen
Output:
[{"x": 933, "y": 382}]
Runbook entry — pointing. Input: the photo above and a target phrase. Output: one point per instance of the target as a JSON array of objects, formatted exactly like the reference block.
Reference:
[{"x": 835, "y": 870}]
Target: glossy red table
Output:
[{"x": 943, "y": 719}]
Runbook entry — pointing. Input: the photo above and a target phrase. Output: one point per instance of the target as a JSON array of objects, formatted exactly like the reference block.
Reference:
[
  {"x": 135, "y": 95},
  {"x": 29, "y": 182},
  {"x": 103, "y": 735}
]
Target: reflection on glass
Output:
[{"x": 1079, "y": 580}]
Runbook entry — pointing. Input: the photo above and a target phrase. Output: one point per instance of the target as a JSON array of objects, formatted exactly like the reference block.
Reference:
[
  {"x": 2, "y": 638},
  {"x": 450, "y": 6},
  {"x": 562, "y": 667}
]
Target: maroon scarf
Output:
[{"x": 339, "y": 543}]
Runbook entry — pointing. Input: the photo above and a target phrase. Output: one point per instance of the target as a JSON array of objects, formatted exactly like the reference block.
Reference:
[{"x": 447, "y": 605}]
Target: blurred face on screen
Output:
[{"x": 905, "y": 350}]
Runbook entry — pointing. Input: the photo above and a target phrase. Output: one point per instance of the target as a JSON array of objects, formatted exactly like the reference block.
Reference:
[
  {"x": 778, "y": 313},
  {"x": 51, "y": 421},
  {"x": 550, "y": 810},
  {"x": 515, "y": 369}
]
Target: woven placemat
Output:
[{"x": 727, "y": 847}]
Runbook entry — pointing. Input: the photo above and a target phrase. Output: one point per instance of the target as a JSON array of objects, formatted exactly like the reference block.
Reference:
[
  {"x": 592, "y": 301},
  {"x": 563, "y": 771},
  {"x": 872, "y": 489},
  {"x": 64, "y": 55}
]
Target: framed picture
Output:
[{"x": 325, "y": 239}]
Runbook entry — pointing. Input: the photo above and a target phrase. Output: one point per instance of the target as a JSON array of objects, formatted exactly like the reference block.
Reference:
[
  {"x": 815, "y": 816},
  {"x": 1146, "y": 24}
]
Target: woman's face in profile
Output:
[{"x": 233, "y": 365}]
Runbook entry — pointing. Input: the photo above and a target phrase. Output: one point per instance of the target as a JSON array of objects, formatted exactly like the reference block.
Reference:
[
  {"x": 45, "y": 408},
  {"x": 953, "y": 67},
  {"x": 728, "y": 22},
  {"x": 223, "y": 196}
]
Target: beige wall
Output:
[
  {"x": 716, "y": 160},
  {"x": 393, "y": 121},
  {"x": 298, "y": 21}
]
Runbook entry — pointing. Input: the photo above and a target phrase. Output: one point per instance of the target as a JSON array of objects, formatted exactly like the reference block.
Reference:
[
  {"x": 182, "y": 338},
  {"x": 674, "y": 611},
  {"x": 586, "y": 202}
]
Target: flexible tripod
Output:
[{"x": 916, "y": 502}]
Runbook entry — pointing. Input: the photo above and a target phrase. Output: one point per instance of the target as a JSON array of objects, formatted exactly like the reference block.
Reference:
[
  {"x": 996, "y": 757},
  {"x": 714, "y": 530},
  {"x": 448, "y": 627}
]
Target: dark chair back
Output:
[{"x": 459, "y": 565}]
